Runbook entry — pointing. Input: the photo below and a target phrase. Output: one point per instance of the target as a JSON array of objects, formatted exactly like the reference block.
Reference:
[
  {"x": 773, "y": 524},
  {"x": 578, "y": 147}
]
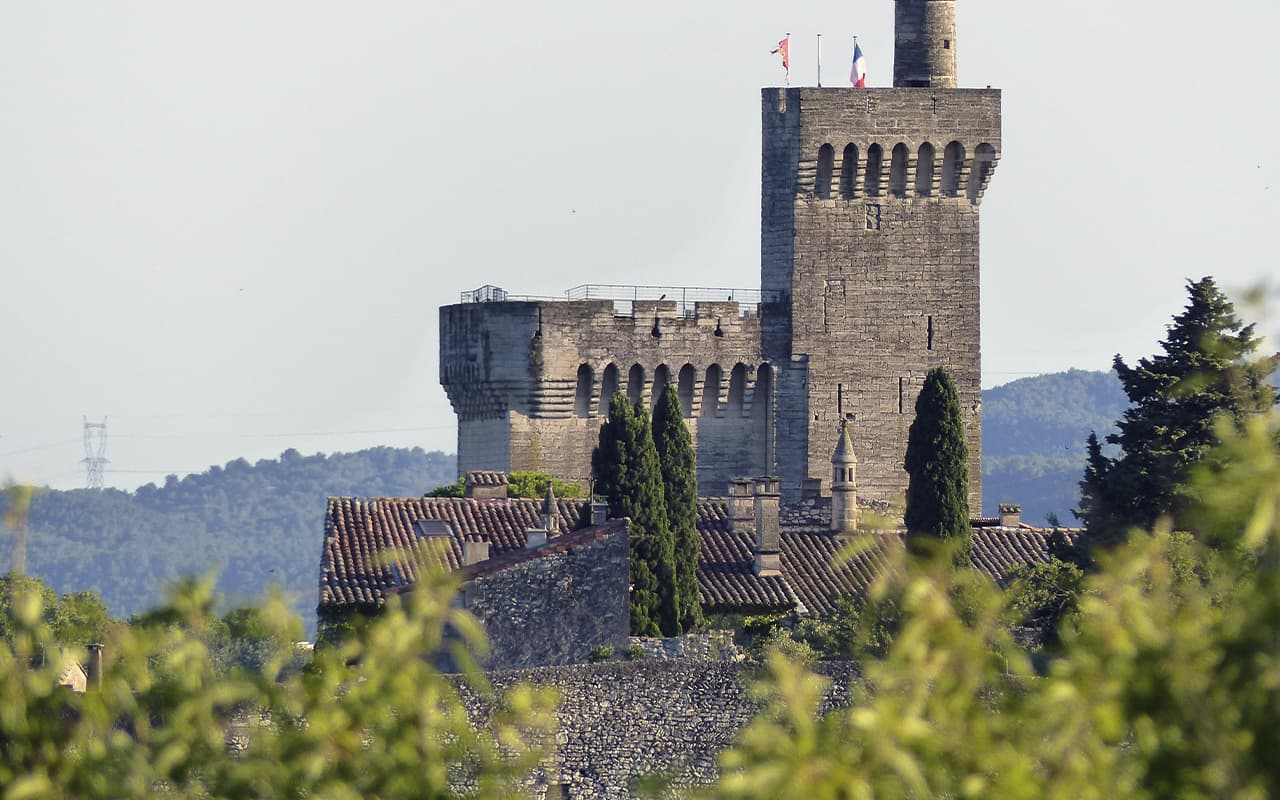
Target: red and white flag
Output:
[
  {"x": 858, "y": 76},
  {"x": 784, "y": 47}
]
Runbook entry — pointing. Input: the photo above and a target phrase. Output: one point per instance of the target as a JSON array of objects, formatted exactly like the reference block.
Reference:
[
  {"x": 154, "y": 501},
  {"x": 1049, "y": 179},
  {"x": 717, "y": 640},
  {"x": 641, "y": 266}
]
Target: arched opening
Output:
[
  {"x": 608, "y": 387},
  {"x": 737, "y": 386},
  {"x": 635, "y": 383},
  {"x": 875, "y": 166},
  {"x": 898, "y": 171},
  {"x": 849, "y": 172},
  {"x": 661, "y": 377},
  {"x": 685, "y": 390},
  {"x": 924, "y": 170},
  {"x": 762, "y": 398},
  {"x": 711, "y": 390},
  {"x": 582, "y": 395},
  {"x": 952, "y": 163},
  {"x": 984, "y": 158},
  {"x": 826, "y": 164}
]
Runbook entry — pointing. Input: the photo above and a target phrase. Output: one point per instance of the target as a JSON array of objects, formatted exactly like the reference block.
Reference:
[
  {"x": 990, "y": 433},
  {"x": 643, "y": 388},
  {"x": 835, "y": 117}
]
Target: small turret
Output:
[
  {"x": 925, "y": 44},
  {"x": 844, "y": 484}
]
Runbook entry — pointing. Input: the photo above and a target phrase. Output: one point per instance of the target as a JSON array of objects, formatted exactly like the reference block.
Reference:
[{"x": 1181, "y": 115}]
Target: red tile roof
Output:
[{"x": 372, "y": 547}]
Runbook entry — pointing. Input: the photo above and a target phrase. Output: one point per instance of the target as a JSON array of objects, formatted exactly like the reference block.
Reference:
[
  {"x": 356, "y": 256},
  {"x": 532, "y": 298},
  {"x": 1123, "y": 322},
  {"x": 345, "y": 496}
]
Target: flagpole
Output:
[{"x": 819, "y": 61}]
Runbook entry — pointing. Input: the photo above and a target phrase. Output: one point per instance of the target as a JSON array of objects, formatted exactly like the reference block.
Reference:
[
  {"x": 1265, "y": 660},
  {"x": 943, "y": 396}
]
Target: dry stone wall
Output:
[
  {"x": 619, "y": 721},
  {"x": 555, "y": 608}
]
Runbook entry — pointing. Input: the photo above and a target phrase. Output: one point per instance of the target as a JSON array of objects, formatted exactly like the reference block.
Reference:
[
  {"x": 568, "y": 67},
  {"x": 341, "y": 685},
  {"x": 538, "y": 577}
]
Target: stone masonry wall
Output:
[
  {"x": 531, "y": 381},
  {"x": 619, "y": 721},
  {"x": 556, "y": 608},
  {"x": 875, "y": 254}
]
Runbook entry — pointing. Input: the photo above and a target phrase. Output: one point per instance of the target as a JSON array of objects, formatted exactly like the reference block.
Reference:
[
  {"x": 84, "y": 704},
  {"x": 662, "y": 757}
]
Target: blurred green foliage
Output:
[
  {"x": 368, "y": 719},
  {"x": 1165, "y": 683}
]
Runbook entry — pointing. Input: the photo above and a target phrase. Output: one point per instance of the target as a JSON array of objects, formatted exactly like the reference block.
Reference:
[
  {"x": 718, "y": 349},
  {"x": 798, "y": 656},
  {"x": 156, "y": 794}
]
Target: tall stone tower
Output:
[{"x": 869, "y": 254}]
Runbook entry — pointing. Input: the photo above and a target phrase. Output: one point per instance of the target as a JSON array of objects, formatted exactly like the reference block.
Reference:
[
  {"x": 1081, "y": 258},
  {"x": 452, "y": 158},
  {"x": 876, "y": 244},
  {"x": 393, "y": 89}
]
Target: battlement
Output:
[{"x": 881, "y": 145}]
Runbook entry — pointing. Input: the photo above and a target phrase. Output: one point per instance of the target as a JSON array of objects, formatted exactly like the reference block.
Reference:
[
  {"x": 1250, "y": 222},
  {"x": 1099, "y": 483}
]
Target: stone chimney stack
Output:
[
  {"x": 1010, "y": 515},
  {"x": 599, "y": 511},
  {"x": 473, "y": 552},
  {"x": 844, "y": 484},
  {"x": 767, "y": 497},
  {"x": 485, "y": 485},
  {"x": 95, "y": 667},
  {"x": 742, "y": 511},
  {"x": 537, "y": 537}
]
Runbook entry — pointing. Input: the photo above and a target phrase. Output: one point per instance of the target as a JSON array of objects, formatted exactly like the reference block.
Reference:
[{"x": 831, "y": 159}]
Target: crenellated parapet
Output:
[{"x": 531, "y": 380}]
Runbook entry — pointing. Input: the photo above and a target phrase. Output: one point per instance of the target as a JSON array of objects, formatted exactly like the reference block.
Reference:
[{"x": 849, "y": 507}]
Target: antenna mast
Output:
[{"x": 95, "y": 452}]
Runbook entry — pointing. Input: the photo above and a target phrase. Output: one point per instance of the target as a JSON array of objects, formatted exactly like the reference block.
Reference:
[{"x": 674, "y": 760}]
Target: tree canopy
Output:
[
  {"x": 937, "y": 464},
  {"x": 1208, "y": 369},
  {"x": 628, "y": 475},
  {"x": 679, "y": 466}
]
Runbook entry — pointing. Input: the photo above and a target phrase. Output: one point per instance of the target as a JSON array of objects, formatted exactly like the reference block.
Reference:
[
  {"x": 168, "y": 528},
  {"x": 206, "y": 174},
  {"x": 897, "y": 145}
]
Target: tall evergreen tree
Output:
[
  {"x": 628, "y": 476},
  {"x": 937, "y": 465},
  {"x": 1207, "y": 371},
  {"x": 680, "y": 489}
]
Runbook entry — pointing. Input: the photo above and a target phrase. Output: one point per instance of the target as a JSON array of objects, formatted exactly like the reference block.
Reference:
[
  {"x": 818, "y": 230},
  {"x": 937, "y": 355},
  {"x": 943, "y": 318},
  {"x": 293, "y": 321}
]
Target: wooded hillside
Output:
[{"x": 253, "y": 524}]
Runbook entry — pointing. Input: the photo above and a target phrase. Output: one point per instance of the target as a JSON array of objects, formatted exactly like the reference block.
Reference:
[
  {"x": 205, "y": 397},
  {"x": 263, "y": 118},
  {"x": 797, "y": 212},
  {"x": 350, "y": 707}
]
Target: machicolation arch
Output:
[
  {"x": 684, "y": 389},
  {"x": 924, "y": 170},
  {"x": 826, "y": 165},
  {"x": 582, "y": 394},
  {"x": 849, "y": 172}
]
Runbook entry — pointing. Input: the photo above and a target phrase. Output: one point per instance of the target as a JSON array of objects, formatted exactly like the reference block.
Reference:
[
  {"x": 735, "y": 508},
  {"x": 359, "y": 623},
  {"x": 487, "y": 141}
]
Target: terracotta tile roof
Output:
[
  {"x": 810, "y": 559},
  {"x": 373, "y": 545},
  {"x": 726, "y": 574},
  {"x": 559, "y": 544}
]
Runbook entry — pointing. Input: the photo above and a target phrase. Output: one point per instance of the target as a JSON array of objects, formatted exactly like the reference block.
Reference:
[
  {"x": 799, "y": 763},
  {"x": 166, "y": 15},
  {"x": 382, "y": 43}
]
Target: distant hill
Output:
[
  {"x": 254, "y": 524},
  {"x": 1033, "y": 439}
]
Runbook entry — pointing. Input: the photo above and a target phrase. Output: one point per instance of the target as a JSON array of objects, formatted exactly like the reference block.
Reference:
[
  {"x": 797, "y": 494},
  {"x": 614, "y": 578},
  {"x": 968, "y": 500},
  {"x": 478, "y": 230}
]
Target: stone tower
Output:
[{"x": 869, "y": 254}]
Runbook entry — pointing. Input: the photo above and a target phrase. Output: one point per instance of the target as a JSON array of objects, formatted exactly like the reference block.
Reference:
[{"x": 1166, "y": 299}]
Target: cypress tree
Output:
[
  {"x": 625, "y": 464},
  {"x": 1207, "y": 371},
  {"x": 680, "y": 489},
  {"x": 937, "y": 465}
]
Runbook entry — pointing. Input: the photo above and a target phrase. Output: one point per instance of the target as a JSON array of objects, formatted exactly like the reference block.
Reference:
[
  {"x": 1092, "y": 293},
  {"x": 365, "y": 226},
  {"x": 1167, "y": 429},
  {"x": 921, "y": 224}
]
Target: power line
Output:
[
  {"x": 33, "y": 449},
  {"x": 277, "y": 435}
]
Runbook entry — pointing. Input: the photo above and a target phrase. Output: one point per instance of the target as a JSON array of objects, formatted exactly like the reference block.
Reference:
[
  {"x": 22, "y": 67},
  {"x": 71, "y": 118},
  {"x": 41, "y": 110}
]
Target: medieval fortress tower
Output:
[{"x": 869, "y": 278}]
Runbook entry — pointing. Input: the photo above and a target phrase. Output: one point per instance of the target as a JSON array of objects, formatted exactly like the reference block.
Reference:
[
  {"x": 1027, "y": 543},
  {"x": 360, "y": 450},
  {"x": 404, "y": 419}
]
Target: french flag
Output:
[{"x": 858, "y": 77}]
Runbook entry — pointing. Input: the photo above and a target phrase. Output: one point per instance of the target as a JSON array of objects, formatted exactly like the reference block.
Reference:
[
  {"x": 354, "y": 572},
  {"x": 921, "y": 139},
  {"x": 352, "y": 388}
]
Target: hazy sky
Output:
[{"x": 227, "y": 226}]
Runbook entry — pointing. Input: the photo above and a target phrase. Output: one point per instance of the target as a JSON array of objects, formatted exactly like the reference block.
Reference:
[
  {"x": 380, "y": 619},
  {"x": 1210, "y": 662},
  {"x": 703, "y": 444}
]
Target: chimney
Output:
[
  {"x": 473, "y": 552},
  {"x": 1010, "y": 515},
  {"x": 768, "y": 543},
  {"x": 537, "y": 537},
  {"x": 95, "y": 667},
  {"x": 742, "y": 514},
  {"x": 549, "y": 510},
  {"x": 485, "y": 485},
  {"x": 844, "y": 484},
  {"x": 599, "y": 511}
]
